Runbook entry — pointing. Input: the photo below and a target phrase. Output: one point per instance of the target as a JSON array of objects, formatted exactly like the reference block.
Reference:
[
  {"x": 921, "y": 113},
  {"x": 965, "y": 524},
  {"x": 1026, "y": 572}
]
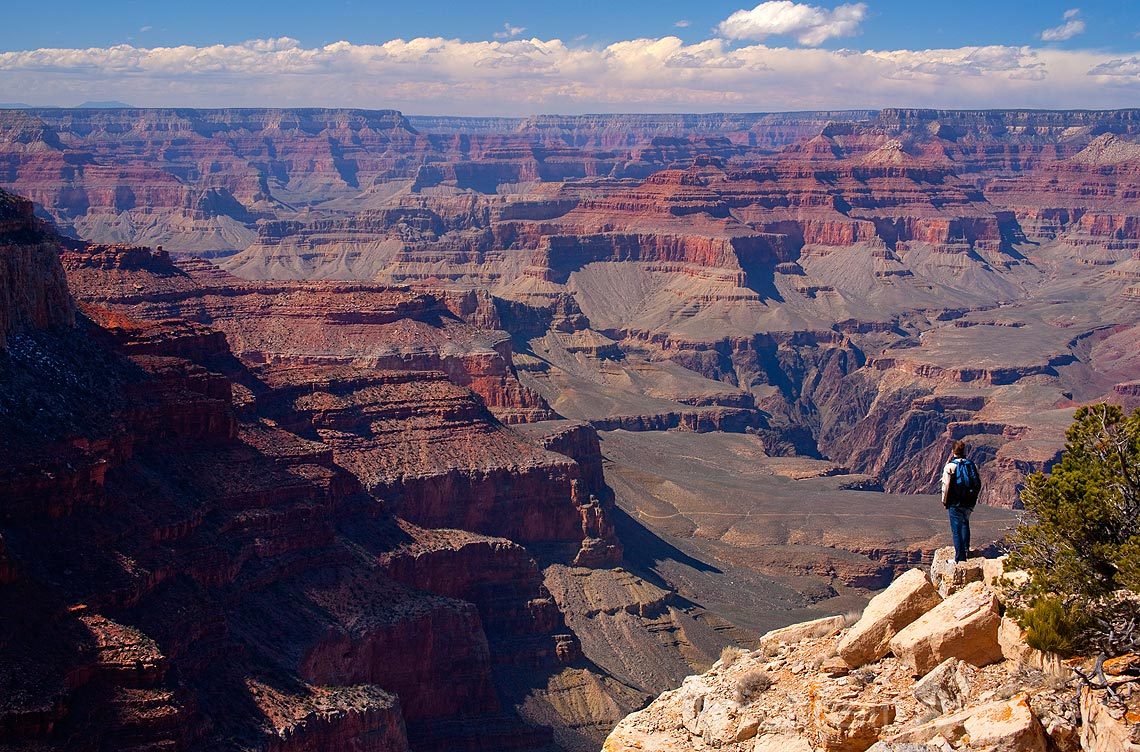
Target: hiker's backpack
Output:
[{"x": 965, "y": 484}]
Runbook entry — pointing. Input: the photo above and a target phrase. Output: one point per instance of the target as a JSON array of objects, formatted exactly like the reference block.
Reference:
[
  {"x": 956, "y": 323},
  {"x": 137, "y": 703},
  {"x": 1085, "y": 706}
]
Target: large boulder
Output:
[
  {"x": 1008, "y": 726},
  {"x": 950, "y": 576},
  {"x": 947, "y": 687},
  {"x": 1000, "y": 726},
  {"x": 909, "y": 597},
  {"x": 848, "y": 725},
  {"x": 808, "y": 630},
  {"x": 1105, "y": 728},
  {"x": 1014, "y": 648},
  {"x": 963, "y": 626}
]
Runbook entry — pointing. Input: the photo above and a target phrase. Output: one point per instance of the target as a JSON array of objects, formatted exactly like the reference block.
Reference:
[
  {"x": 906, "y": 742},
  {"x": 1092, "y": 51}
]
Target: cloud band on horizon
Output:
[{"x": 521, "y": 76}]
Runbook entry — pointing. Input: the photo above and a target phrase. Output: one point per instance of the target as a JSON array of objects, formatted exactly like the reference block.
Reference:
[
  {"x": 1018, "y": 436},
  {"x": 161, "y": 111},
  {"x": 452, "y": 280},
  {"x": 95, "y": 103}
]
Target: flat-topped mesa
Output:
[
  {"x": 995, "y": 121},
  {"x": 116, "y": 256},
  {"x": 311, "y": 323},
  {"x": 559, "y": 255},
  {"x": 766, "y": 130},
  {"x": 33, "y": 289},
  {"x": 522, "y": 163},
  {"x": 1085, "y": 201},
  {"x": 439, "y": 459}
]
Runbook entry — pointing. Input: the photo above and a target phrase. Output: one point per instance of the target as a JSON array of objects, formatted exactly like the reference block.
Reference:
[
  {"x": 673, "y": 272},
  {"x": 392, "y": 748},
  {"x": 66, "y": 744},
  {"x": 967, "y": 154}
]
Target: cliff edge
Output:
[{"x": 931, "y": 664}]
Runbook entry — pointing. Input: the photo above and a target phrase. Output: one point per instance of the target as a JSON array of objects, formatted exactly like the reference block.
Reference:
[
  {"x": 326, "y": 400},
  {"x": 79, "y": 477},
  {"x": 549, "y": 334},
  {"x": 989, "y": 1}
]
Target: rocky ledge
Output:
[{"x": 930, "y": 665}]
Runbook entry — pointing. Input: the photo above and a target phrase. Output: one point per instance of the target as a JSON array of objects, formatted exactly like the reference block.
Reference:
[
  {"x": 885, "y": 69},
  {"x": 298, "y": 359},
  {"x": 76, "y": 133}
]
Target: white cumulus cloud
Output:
[
  {"x": 509, "y": 31},
  {"x": 810, "y": 24},
  {"x": 433, "y": 75},
  {"x": 1072, "y": 26},
  {"x": 1128, "y": 67},
  {"x": 683, "y": 24}
]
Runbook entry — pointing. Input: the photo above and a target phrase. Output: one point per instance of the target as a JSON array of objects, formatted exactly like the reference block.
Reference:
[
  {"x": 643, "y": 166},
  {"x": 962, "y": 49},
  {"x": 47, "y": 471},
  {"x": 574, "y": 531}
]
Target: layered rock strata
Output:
[{"x": 183, "y": 571}]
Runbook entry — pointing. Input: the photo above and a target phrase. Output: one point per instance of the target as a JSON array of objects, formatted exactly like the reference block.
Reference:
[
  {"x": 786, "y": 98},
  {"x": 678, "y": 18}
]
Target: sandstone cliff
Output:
[
  {"x": 180, "y": 571},
  {"x": 33, "y": 291}
]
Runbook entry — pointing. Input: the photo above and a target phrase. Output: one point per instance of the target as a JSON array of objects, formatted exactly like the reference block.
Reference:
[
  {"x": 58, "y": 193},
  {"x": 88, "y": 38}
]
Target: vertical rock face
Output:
[
  {"x": 863, "y": 287},
  {"x": 576, "y": 440},
  {"x": 33, "y": 290},
  {"x": 904, "y": 265},
  {"x": 187, "y": 559}
]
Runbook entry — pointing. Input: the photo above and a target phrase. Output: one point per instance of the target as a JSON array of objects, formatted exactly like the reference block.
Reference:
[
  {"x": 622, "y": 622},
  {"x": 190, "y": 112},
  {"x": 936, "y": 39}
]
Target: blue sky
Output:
[
  {"x": 517, "y": 58},
  {"x": 891, "y": 24}
]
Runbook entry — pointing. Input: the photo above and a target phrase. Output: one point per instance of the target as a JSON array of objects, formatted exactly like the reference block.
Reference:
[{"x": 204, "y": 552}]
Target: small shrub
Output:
[
  {"x": 1052, "y": 627},
  {"x": 751, "y": 685},
  {"x": 729, "y": 655}
]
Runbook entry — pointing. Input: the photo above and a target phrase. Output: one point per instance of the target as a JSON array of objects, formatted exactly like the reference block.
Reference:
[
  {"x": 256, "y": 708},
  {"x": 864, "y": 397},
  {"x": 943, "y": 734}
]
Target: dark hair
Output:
[{"x": 959, "y": 448}]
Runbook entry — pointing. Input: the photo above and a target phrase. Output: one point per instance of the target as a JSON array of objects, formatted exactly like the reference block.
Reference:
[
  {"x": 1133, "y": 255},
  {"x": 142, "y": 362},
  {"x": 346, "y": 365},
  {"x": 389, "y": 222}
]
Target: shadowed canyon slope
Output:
[{"x": 463, "y": 433}]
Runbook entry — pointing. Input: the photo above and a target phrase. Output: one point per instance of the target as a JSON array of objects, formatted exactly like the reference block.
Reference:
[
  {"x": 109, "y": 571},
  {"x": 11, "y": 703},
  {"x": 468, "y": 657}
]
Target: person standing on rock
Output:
[{"x": 961, "y": 486}]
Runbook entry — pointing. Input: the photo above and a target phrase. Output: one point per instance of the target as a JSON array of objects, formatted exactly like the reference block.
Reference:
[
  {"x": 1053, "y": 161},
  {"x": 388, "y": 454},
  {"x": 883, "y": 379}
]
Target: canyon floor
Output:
[{"x": 452, "y": 433}]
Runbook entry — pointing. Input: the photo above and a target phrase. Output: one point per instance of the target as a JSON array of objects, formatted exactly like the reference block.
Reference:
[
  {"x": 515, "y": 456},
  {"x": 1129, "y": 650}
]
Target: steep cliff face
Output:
[
  {"x": 179, "y": 570},
  {"x": 284, "y": 324},
  {"x": 466, "y": 312},
  {"x": 33, "y": 291},
  {"x": 138, "y": 541}
]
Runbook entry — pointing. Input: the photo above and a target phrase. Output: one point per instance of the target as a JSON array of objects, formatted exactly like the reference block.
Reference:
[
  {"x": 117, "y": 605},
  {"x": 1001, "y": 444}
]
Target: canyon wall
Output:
[
  {"x": 187, "y": 562},
  {"x": 392, "y": 386}
]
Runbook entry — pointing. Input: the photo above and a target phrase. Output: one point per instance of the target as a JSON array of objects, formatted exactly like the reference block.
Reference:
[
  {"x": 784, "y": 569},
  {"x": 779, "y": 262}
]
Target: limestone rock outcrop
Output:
[
  {"x": 910, "y": 596},
  {"x": 799, "y": 696},
  {"x": 964, "y": 626},
  {"x": 950, "y": 576},
  {"x": 1000, "y": 726}
]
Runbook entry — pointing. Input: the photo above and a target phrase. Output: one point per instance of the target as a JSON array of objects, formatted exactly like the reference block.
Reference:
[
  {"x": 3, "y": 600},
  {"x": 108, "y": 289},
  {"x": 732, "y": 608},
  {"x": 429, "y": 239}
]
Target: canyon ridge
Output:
[{"x": 347, "y": 429}]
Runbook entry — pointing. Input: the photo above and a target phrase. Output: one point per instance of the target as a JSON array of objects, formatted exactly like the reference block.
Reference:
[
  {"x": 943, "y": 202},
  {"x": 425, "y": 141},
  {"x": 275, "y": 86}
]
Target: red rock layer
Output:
[
  {"x": 287, "y": 324},
  {"x": 33, "y": 291},
  {"x": 177, "y": 573}
]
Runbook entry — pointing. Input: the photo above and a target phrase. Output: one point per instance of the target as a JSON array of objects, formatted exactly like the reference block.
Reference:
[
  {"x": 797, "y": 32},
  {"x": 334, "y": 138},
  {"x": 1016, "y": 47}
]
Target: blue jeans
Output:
[{"x": 960, "y": 532}]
